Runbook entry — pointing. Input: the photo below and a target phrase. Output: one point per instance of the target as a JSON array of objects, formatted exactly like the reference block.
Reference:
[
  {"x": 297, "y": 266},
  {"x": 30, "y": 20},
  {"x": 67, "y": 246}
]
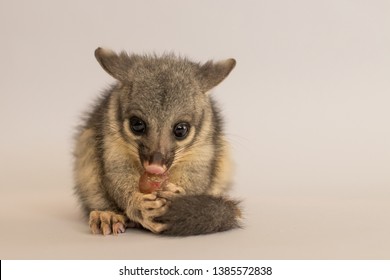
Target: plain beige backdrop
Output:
[{"x": 307, "y": 112}]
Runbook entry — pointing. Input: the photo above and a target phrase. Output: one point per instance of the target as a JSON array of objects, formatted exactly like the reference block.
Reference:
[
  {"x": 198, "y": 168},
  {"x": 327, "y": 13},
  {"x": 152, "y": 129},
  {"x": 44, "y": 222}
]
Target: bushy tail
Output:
[{"x": 200, "y": 214}]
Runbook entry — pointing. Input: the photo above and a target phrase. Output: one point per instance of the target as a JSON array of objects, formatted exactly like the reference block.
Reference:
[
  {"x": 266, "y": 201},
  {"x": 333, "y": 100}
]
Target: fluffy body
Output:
[{"x": 110, "y": 157}]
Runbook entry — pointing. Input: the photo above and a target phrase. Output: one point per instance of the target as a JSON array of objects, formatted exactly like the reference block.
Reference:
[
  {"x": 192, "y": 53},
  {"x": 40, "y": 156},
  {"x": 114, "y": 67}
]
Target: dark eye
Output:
[
  {"x": 137, "y": 126},
  {"x": 181, "y": 130}
]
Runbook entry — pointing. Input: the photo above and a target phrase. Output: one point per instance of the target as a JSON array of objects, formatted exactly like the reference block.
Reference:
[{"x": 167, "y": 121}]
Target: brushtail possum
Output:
[{"x": 157, "y": 122}]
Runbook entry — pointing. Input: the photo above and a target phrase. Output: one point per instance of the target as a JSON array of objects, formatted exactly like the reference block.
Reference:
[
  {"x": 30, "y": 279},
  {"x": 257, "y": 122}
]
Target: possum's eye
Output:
[
  {"x": 137, "y": 126},
  {"x": 181, "y": 130}
]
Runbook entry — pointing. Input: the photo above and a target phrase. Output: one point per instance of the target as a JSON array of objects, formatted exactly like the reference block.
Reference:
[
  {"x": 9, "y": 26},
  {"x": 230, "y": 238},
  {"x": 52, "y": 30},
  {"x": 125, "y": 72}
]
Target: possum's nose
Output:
[{"x": 155, "y": 164}]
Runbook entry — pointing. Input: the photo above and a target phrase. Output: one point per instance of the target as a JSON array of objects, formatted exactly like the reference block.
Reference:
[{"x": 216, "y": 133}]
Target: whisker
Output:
[{"x": 183, "y": 153}]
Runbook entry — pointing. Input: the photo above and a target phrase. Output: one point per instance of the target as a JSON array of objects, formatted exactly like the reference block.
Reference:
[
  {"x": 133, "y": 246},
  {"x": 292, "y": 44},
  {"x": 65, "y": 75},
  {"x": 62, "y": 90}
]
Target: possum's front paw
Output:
[
  {"x": 107, "y": 222},
  {"x": 149, "y": 206}
]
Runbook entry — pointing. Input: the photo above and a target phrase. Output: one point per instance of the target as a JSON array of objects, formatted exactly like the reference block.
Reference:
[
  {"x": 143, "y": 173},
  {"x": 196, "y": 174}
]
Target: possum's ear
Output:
[
  {"x": 212, "y": 73},
  {"x": 116, "y": 65}
]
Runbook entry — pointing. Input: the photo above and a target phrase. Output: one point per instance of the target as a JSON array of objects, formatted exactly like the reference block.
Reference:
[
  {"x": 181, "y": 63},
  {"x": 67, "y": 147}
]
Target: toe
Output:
[
  {"x": 118, "y": 228},
  {"x": 154, "y": 204},
  {"x": 106, "y": 229}
]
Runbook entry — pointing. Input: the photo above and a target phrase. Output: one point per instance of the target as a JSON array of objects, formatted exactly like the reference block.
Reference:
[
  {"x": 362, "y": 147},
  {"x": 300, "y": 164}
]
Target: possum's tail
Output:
[{"x": 200, "y": 214}]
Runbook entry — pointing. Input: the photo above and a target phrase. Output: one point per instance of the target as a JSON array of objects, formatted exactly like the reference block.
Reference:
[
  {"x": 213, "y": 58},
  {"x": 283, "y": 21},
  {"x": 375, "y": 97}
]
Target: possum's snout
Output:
[{"x": 156, "y": 164}]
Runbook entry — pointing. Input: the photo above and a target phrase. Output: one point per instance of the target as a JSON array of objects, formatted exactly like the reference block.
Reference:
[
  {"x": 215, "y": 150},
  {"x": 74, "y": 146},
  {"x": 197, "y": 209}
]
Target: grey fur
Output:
[
  {"x": 200, "y": 214},
  {"x": 110, "y": 158}
]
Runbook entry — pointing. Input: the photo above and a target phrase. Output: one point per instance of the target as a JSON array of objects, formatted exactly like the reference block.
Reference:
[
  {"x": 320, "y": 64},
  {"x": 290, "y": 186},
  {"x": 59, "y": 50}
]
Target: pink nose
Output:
[
  {"x": 154, "y": 168},
  {"x": 155, "y": 164}
]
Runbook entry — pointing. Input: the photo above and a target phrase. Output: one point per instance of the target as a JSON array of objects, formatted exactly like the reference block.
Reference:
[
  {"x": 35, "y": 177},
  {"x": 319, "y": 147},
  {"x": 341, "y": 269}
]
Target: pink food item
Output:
[{"x": 149, "y": 182}]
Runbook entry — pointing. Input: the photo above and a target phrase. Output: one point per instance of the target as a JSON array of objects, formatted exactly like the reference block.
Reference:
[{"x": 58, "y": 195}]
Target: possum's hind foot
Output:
[{"x": 107, "y": 222}]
